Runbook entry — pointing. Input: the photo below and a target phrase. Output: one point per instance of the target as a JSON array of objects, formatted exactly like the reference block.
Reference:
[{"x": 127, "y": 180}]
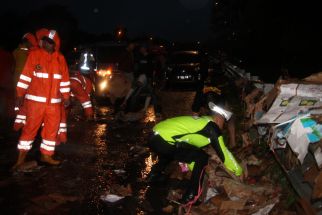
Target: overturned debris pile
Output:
[
  {"x": 224, "y": 193},
  {"x": 288, "y": 118}
]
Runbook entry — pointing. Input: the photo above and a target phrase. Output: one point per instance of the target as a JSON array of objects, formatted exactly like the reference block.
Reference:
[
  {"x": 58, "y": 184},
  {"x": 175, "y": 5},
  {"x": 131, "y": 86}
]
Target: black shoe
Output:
[{"x": 154, "y": 178}]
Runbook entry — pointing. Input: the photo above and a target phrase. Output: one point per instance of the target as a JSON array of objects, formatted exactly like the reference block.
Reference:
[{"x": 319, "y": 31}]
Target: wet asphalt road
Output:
[{"x": 90, "y": 157}]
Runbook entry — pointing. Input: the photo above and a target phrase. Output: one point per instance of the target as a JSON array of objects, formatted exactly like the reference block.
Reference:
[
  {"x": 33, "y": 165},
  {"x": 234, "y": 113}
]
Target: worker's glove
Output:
[
  {"x": 19, "y": 102},
  {"x": 66, "y": 103}
]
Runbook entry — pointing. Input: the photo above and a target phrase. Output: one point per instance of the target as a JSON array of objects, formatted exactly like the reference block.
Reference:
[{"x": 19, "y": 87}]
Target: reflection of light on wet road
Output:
[
  {"x": 149, "y": 161},
  {"x": 101, "y": 129},
  {"x": 99, "y": 134},
  {"x": 149, "y": 116},
  {"x": 101, "y": 179},
  {"x": 142, "y": 197},
  {"x": 103, "y": 110}
]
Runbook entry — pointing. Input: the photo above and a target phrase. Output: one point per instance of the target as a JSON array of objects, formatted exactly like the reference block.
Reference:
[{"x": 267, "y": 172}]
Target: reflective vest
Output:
[
  {"x": 185, "y": 128},
  {"x": 193, "y": 131}
]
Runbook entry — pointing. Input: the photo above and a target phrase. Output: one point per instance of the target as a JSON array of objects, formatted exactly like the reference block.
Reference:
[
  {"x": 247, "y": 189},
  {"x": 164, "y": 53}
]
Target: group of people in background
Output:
[{"x": 139, "y": 67}]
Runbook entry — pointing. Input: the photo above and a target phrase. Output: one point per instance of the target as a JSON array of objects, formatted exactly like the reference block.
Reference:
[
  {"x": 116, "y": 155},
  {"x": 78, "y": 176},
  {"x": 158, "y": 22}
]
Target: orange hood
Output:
[{"x": 52, "y": 34}]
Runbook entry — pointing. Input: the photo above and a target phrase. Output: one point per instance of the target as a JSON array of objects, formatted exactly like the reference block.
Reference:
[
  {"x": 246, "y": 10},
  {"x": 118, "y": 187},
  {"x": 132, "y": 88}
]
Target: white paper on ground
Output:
[
  {"x": 111, "y": 198},
  {"x": 211, "y": 192},
  {"x": 265, "y": 210}
]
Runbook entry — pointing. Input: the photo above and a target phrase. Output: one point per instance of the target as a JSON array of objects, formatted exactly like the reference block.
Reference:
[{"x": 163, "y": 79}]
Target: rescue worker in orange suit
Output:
[
  {"x": 44, "y": 83},
  {"x": 81, "y": 88},
  {"x": 20, "y": 54}
]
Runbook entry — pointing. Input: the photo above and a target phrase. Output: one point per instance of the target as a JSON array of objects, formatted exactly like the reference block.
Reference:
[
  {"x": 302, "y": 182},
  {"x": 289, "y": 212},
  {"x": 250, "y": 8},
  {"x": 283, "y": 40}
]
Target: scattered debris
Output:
[
  {"x": 168, "y": 209},
  {"x": 119, "y": 171},
  {"x": 111, "y": 198},
  {"x": 317, "y": 191}
]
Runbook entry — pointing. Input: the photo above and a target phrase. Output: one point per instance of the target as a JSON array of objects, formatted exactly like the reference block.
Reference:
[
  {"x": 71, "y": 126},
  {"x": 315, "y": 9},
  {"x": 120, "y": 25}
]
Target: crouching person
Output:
[{"x": 182, "y": 139}]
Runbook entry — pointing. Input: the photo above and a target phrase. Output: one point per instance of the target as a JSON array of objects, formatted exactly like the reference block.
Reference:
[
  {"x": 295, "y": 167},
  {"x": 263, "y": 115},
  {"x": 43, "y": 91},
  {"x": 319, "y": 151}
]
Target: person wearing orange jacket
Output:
[
  {"x": 43, "y": 85},
  {"x": 81, "y": 88},
  {"x": 20, "y": 54}
]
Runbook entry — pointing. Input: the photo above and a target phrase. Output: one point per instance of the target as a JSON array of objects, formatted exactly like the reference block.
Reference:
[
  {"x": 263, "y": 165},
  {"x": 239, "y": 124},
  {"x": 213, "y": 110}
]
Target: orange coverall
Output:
[{"x": 43, "y": 83}]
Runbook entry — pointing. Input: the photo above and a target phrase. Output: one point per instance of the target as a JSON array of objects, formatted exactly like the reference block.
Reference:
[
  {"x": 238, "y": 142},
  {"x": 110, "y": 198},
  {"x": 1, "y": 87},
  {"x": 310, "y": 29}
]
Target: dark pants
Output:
[{"x": 185, "y": 153}]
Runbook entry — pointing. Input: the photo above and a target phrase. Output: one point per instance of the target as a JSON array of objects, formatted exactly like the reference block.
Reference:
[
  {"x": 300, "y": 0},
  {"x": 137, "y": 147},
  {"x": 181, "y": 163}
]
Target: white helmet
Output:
[{"x": 219, "y": 110}]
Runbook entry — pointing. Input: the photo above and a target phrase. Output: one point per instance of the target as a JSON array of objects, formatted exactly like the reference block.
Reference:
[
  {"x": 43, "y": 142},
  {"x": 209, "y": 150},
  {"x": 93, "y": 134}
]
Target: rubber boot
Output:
[
  {"x": 49, "y": 160},
  {"x": 21, "y": 159}
]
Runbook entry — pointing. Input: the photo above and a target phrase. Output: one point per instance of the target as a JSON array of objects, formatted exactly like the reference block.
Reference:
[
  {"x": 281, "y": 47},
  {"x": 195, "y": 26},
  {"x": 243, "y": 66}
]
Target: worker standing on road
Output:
[
  {"x": 44, "y": 83},
  {"x": 81, "y": 88},
  {"x": 20, "y": 54},
  {"x": 182, "y": 139},
  {"x": 143, "y": 79}
]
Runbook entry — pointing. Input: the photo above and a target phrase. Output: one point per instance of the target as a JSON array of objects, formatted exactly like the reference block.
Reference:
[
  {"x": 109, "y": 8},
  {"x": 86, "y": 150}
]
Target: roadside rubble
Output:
[
  {"x": 223, "y": 193},
  {"x": 288, "y": 119}
]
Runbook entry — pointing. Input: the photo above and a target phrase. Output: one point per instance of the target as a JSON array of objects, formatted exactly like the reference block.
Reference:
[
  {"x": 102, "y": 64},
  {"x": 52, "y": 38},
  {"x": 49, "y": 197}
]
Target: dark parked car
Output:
[{"x": 183, "y": 67}]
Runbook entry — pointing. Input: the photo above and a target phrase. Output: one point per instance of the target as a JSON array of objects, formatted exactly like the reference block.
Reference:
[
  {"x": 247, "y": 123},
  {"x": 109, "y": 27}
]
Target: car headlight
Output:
[
  {"x": 103, "y": 85},
  {"x": 104, "y": 72}
]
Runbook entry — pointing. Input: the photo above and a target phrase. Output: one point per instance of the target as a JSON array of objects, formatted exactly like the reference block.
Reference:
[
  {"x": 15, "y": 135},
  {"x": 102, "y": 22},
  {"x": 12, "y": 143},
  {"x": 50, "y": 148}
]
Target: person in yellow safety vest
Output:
[
  {"x": 21, "y": 53},
  {"x": 182, "y": 139},
  {"x": 28, "y": 43}
]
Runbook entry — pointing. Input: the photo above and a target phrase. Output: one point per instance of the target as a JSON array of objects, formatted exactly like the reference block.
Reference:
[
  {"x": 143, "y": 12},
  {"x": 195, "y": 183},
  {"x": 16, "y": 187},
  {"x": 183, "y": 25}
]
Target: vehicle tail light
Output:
[{"x": 104, "y": 72}]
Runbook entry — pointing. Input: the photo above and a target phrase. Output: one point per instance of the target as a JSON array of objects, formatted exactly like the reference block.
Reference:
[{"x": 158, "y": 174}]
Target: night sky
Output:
[
  {"x": 266, "y": 34},
  {"x": 171, "y": 19}
]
